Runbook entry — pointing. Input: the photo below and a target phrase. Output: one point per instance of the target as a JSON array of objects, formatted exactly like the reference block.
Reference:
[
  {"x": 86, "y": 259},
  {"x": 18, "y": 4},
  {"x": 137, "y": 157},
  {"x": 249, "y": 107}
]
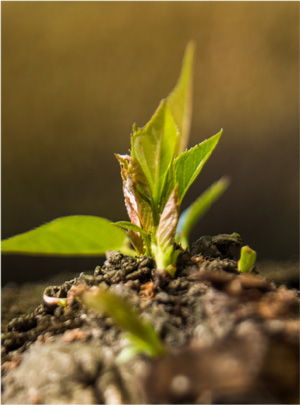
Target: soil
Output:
[{"x": 231, "y": 337}]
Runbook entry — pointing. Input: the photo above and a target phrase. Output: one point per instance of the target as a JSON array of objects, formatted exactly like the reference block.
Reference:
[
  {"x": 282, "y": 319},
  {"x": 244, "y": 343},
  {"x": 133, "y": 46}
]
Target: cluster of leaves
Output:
[{"x": 156, "y": 176}]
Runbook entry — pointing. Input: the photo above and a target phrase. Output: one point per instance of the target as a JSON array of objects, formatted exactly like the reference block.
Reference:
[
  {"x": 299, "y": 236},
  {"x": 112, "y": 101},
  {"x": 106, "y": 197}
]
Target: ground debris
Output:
[{"x": 231, "y": 338}]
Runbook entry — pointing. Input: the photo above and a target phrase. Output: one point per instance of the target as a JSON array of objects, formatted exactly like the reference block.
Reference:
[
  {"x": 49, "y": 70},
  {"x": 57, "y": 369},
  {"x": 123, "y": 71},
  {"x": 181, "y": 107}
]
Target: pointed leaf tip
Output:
[
  {"x": 189, "y": 164},
  {"x": 180, "y": 99}
]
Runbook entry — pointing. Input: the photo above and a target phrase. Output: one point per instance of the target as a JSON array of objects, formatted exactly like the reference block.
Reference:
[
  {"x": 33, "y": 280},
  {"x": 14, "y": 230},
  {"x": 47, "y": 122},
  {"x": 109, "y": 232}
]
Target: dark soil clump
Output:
[{"x": 231, "y": 337}]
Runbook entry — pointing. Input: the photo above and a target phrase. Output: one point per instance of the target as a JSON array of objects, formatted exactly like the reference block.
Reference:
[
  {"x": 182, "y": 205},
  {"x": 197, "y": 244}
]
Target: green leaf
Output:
[
  {"x": 78, "y": 235},
  {"x": 135, "y": 229},
  {"x": 190, "y": 163},
  {"x": 180, "y": 99},
  {"x": 153, "y": 147},
  {"x": 130, "y": 225},
  {"x": 198, "y": 209},
  {"x": 140, "y": 332}
]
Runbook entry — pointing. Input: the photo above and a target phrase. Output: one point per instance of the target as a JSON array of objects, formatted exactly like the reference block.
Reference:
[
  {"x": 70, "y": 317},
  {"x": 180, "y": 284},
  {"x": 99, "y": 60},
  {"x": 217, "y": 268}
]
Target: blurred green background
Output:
[{"x": 76, "y": 75}]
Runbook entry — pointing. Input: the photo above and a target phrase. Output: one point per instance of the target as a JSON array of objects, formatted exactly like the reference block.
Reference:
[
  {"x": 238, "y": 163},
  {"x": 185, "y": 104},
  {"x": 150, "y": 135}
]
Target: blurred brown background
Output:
[{"x": 76, "y": 75}]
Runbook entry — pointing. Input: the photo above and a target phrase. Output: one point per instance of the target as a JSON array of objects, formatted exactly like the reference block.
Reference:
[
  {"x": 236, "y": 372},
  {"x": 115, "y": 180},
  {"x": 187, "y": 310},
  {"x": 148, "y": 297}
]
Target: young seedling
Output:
[
  {"x": 247, "y": 259},
  {"x": 156, "y": 174},
  {"x": 141, "y": 334}
]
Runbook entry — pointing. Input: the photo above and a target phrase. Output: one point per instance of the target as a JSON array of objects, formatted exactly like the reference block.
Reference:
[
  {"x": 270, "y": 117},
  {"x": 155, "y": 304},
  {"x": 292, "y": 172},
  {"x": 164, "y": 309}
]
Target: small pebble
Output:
[
  {"x": 177, "y": 321},
  {"x": 129, "y": 268},
  {"x": 162, "y": 297},
  {"x": 185, "y": 312},
  {"x": 197, "y": 289},
  {"x": 58, "y": 312},
  {"x": 180, "y": 385},
  {"x": 184, "y": 300},
  {"x": 275, "y": 325},
  {"x": 145, "y": 262},
  {"x": 168, "y": 308},
  {"x": 184, "y": 284},
  {"x": 97, "y": 271},
  {"x": 133, "y": 284},
  {"x": 68, "y": 322},
  {"x": 174, "y": 284}
]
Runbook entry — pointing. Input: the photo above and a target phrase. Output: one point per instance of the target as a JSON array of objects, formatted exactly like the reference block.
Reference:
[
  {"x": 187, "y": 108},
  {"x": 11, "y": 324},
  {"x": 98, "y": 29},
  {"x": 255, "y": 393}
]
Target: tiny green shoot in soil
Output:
[
  {"x": 156, "y": 176},
  {"x": 247, "y": 259},
  {"x": 141, "y": 335}
]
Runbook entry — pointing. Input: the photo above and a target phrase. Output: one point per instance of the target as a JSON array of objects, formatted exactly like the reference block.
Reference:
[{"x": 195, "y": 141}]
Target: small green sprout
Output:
[
  {"x": 159, "y": 171},
  {"x": 156, "y": 174},
  {"x": 141, "y": 334},
  {"x": 247, "y": 259}
]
